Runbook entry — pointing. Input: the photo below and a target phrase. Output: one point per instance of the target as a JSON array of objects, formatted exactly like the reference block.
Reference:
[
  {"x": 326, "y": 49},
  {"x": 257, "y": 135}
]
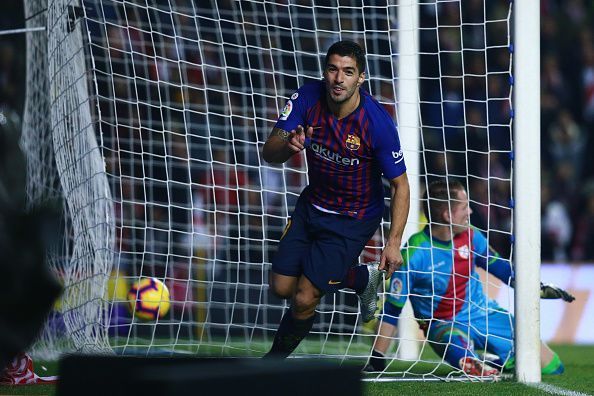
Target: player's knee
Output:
[{"x": 304, "y": 303}]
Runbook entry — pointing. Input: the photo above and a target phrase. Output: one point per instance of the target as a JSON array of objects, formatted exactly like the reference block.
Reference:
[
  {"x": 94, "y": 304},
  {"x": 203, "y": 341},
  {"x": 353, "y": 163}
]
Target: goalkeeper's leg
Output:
[
  {"x": 454, "y": 343},
  {"x": 499, "y": 342},
  {"x": 550, "y": 362},
  {"x": 387, "y": 327}
]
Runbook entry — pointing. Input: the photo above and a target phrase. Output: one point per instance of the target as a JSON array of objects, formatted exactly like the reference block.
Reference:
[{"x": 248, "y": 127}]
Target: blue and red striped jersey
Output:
[
  {"x": 346, "y": 157},
  {"x": 440, "y": 277}
]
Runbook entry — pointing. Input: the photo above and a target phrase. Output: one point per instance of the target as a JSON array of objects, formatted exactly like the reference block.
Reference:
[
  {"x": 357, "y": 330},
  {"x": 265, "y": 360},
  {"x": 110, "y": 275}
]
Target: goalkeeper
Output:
[{"x": 439, "y": 274}]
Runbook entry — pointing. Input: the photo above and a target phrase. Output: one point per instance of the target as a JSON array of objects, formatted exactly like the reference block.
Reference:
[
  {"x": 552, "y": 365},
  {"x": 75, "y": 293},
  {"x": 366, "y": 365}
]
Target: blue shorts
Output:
[
  {"x": 322, "y": 246},
  {"x": 492, "y": 332}
]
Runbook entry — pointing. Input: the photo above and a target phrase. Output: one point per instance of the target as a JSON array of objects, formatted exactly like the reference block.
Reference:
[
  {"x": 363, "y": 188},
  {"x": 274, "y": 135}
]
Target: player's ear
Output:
[
  {"x": 447, "y": 219},
  {"x": 361, "y": 78}
]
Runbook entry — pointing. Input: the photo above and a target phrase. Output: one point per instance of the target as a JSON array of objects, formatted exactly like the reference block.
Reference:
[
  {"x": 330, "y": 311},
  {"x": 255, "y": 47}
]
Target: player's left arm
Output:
[
  {"x": 502, "y": 269},
  {"x": 391, "y": 258},
  {"x": 488, "y": 259}
]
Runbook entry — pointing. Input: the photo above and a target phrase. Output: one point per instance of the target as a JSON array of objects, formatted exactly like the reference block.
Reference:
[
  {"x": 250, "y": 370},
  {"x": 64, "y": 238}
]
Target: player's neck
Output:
[
  {"x": 442, "y": 232},
  {"x": 341, "y": 110}
]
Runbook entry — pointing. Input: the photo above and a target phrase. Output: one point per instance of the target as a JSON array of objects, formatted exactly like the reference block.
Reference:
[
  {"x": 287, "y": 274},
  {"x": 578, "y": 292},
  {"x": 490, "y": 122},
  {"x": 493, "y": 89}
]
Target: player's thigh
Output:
[
  {"x": 499, "y": 334},
  {"x": 294, "y": 243},
  {"x": 337, "y": 244},
  {"x": 283, "y": 286}
]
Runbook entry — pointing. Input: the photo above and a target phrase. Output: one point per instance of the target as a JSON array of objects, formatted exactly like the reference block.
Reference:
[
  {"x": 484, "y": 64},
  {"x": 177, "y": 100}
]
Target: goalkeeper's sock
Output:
[
  {"x": 289, "y": 334},
  {"x": 555, "y": 366},
  {"x": 377, "y": 362},
  {"x": 357, "y": 278}
]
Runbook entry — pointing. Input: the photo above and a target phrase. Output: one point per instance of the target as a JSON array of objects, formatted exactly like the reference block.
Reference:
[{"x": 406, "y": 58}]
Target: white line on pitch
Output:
[{"x": 556, "y": 390}]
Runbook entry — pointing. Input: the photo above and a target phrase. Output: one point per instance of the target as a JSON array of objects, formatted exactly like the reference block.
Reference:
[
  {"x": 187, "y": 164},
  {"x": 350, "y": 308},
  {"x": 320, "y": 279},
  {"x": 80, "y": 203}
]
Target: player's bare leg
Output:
[
  {"x": 297, "y": 321},
  {"x": 306, "y": 299},
  {"x": 283, "y": 286}
]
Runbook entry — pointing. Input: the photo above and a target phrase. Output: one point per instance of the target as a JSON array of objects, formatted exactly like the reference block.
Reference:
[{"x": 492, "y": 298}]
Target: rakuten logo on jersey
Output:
[
  {"x": 398, "y": 156},
  {"x": 332, "y": 156}
]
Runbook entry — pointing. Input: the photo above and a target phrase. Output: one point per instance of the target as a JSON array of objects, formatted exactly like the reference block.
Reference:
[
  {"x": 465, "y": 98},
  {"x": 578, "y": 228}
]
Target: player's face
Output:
[
  {"x": 460, "y": 213},
  {"x": 342, "y": 78}
]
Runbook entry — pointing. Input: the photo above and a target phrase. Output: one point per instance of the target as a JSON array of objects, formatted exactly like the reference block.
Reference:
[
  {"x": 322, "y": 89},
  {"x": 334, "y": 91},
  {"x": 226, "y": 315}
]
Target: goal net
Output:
[{"x": 147, "y": 120}]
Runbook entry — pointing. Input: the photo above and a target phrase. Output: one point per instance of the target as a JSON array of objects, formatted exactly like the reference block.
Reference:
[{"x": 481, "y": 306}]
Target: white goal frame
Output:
[
  {"x": 527, "y": 189},
  {"x": 526, "y": 165}
]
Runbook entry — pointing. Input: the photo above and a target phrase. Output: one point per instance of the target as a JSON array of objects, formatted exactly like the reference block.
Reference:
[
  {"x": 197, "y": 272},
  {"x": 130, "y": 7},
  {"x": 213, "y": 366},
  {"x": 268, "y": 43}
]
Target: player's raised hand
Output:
[
  {"x": 391, "y": 260},
  {"x": 299, "y": 138},
  {"x": 548, "y": 291}
]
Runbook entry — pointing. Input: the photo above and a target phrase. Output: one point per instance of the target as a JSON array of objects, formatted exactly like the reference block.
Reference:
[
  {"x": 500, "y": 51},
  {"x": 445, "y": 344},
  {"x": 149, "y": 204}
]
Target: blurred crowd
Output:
[
  {"x": 466, "y": 114},
  {"x": 567, "y": 123}
]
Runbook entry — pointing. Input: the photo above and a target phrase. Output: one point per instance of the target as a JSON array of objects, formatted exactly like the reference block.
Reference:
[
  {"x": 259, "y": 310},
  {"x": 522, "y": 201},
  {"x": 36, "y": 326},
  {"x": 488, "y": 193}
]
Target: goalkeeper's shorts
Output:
[
  {"x": 492, "y": 332},
  {"x": 322, "y": 246}
]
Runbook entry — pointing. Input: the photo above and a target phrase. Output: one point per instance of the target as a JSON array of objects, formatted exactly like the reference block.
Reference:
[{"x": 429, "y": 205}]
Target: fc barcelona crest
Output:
[{"x": 353, "y": 142}]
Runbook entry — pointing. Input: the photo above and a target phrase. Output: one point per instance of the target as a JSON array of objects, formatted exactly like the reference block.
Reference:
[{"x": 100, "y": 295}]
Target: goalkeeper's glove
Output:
[{"x": 549, "y": 291}]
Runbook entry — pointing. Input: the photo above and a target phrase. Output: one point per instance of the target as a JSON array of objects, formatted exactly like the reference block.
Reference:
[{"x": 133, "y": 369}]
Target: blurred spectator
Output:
[
  {"x": 556, "y": 227},
  {"x": 567, "y": 117},
  {"x": 567, "y": 145},
  {"x": 554, "y": 90},
  {"x": 582, "y": 248}
]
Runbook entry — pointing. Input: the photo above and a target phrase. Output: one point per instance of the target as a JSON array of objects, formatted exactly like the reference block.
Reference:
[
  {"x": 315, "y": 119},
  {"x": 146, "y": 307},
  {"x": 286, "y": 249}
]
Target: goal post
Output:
[
  {"x": 409, "y": 132},
  {"x": 147, "y": 120},
  {"x": 527, "y": 189}
]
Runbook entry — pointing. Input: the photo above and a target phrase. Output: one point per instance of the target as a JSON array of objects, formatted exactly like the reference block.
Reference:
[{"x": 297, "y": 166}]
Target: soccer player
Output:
[
  {"x": 20, "y": 372},
  {"x": 439, "y": 276},
  {"x": 350, "y": 141}
]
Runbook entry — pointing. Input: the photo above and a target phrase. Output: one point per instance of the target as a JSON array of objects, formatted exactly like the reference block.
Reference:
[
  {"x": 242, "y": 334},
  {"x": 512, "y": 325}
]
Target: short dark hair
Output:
[
  {"x": 438, "y": 196},
  {"x": 347, "y": 48}
]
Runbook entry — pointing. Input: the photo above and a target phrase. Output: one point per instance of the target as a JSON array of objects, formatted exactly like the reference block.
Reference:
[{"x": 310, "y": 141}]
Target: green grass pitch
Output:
[{"x": 577, "y": 380}]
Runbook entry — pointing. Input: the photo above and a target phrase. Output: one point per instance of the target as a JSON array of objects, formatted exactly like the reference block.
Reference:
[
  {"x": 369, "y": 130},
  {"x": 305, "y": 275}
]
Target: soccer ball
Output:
[{"x": 149, "y": 299}]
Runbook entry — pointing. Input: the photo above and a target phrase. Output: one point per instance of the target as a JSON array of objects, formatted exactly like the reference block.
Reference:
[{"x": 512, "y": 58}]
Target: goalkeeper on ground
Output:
[{"x": 439, "y": 274}]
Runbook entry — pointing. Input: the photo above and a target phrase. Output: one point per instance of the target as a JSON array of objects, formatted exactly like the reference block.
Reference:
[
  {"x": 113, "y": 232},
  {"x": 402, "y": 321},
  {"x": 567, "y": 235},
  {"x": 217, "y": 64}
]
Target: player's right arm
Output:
[
  {"x": 281, "y": 145},
  {"x": 388, "y": 325},
  {"x": 289, "y": 133}
]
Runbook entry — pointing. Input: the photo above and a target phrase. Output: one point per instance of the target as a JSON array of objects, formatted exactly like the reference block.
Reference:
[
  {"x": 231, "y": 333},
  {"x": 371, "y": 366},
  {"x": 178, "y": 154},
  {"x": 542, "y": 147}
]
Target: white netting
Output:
[
  {"x": 36, "y": 141},
  {"x": 66, "y": 168},
  {"x": 159, "y": 110}
]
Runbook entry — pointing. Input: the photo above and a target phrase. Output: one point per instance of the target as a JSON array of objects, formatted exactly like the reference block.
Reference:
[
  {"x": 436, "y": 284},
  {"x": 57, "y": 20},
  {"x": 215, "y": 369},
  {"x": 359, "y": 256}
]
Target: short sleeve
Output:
[
  {"x": 386, "y": 146},
  {"x": 295, "y": 111}
]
